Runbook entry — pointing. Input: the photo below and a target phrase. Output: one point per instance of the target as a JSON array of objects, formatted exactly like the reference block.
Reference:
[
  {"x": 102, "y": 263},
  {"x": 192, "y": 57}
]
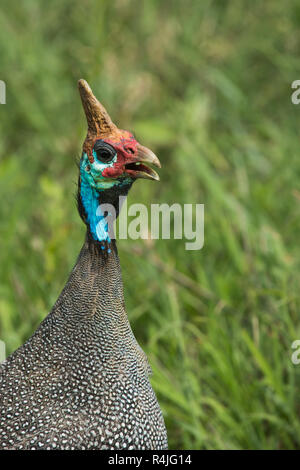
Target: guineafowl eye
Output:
[{"x": 105, "y": 152}]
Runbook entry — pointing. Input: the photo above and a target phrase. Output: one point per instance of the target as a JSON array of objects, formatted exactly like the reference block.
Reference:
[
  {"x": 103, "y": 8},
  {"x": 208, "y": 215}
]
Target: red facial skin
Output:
[{"x": 126, "y": 149}]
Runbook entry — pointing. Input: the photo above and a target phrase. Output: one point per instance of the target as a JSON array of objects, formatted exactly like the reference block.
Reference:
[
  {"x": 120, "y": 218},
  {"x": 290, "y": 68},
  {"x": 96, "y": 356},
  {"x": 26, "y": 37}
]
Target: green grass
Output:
[{"x": 207, "y": 86}]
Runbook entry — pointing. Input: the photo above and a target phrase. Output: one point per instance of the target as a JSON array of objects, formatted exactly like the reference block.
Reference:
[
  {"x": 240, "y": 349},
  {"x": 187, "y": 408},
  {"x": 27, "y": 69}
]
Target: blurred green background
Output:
[{"x": 207, "y": 85}]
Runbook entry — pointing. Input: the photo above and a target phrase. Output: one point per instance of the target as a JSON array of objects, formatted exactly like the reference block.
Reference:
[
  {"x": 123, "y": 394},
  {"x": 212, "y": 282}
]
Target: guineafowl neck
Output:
[
  {"x": 91, "y": 311},
  {"x": 95, "y": 286}
]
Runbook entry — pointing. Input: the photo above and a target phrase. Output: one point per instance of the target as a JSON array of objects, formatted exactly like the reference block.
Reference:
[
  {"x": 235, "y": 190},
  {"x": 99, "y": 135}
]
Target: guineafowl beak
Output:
[{"x": 137, "y": 167}]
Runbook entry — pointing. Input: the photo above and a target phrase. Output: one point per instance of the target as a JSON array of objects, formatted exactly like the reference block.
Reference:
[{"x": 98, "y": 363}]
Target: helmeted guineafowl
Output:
[{"x": 82, "y": 381}]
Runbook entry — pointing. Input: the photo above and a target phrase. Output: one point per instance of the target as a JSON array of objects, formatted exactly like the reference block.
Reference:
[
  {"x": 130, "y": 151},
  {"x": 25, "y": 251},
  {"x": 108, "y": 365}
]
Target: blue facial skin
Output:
[{"x": 92, "y": 184}]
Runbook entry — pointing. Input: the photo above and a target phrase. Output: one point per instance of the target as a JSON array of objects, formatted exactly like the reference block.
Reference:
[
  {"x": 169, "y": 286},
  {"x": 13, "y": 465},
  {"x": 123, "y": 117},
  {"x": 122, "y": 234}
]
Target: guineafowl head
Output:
[{"x": 111, "y": 161}]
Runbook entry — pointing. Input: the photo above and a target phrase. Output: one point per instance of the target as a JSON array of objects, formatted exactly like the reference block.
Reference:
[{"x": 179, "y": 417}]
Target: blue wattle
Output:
[{"x": 95, "y": 218}]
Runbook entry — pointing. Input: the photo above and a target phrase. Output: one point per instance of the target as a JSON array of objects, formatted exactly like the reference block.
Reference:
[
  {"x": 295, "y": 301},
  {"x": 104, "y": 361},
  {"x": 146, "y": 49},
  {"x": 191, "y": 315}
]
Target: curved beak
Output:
[
  {"x": 146, "y": 155},
  {"x": 137, "y": 167}
]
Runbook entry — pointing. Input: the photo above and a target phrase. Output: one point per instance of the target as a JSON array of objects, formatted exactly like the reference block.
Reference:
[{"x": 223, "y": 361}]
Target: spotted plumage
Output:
[{"x": 82, "y": 381}]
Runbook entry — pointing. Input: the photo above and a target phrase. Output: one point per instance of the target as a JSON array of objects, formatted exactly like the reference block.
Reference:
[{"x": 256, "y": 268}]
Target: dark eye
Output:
[{"x": 105, "y": 152}]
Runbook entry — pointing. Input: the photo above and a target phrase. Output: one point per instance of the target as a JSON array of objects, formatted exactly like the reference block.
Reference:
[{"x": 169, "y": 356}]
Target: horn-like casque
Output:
[
  {"x": 98, "y": 119},
  {"x": 99, "y": 122}
]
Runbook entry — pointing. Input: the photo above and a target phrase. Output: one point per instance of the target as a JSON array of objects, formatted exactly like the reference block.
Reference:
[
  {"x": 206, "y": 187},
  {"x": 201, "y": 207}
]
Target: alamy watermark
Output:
[
  {"x": 2, "y": 351},
  {"x": 295, "y": 357},
  {"x": 295, "y": 96},
  {"x": 2, "y": 92},
  {"x": 163, "y": 221}
]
